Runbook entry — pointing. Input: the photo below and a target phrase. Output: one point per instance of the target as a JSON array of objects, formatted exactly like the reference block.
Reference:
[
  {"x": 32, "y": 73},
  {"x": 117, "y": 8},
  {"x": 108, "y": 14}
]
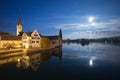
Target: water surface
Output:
[{"x": 71, "y": 62}]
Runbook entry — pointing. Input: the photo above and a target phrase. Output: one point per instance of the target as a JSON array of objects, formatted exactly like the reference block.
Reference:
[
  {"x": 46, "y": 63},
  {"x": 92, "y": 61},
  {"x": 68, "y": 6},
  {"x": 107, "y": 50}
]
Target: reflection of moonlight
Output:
[
  {"x": 90, "y": 19},
  {"x": 91, "y": 62}
]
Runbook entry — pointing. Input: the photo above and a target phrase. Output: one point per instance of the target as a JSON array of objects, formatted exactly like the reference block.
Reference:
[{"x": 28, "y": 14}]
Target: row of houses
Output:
[{"x": 27, "y": 39}]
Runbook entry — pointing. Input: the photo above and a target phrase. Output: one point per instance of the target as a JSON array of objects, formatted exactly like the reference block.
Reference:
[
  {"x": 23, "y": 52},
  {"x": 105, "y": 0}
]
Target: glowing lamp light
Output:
[
  {"x": 18, "y": 46},
  {"x": 18, "y": 60},
  {"x": 27, "y": 46}
]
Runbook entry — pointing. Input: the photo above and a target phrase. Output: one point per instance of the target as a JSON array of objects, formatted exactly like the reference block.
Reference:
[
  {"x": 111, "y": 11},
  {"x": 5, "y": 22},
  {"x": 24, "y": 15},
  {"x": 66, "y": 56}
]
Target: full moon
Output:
[{"x": 90, "y": 19}]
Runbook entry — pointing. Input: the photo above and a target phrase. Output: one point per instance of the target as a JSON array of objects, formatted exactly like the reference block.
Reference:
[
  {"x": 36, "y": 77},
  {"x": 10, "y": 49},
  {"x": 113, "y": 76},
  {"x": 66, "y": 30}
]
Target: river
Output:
[{"x": 71, "y": 62}]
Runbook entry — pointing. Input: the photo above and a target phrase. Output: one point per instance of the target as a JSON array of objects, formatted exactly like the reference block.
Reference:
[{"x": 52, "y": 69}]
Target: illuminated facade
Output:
[
  {"x": 10, "y": 41},
  {"x": 27, "y": 39},
  {"x": 31, "y": 39}
]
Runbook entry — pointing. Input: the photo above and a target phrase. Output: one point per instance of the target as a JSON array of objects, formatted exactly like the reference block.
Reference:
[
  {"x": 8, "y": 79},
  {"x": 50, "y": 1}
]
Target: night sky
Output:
[{"x": 72, "y": 16}]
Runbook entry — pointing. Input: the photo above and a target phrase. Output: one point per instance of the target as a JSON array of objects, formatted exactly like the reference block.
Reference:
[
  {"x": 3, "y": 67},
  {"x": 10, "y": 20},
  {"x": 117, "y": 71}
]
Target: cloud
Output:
[
  {"x": 95, "y": 25},
  {"x": 109, "y": 28}
]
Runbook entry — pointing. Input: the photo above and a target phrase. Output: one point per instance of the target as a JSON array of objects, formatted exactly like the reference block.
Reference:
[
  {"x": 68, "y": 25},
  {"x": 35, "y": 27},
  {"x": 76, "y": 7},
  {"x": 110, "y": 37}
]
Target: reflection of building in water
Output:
[
  {"x": 34, "y": 60},
  {"x": 57, "y": 52},
  {"x": 9, "y": 60}
]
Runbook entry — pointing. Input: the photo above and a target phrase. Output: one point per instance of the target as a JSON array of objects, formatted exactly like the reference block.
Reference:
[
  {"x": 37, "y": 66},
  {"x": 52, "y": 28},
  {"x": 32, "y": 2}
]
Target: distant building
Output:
[{"x": 56, "y": 39}]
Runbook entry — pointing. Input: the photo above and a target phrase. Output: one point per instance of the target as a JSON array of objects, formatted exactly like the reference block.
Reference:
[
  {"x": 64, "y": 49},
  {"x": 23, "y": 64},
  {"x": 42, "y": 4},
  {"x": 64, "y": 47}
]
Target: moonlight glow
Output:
[
  {"x": 91, "y": 62},
  {"x": 90, "y": 19}
]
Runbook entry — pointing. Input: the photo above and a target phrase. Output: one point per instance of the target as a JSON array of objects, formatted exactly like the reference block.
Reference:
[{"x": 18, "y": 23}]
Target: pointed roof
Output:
[
  {"x": 20, "y": 33},
  {"x": 19, "y": 21},
  {"x": 28, "y": 33},
  {"x": 60, "y": 33}
]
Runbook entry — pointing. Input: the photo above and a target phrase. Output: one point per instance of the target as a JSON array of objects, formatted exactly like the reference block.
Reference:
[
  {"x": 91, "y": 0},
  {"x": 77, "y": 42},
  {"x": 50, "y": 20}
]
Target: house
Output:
[
  {"x": 10, "y": 41},
  {"x": 31, "y": 39}
]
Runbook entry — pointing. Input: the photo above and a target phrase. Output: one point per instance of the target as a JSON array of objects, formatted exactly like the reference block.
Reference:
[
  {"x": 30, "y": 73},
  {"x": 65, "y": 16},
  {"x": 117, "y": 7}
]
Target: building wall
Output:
[
  {"x": 31, "y": 41},
  {"x": 36, "y": 39},
  {"x": 26, "y": 41},
  {"x": 56, "y": 42},
  {"x": 15, "y": 43}
]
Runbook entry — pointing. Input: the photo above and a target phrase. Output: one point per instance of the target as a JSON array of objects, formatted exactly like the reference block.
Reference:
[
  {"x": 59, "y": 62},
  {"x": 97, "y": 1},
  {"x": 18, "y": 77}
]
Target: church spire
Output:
[
  {"x": 19, "y": 27},
  {"x": 60, "y": 34},
  {"x": 60, "y": 39},
  {"x": 19, "y": 21}
]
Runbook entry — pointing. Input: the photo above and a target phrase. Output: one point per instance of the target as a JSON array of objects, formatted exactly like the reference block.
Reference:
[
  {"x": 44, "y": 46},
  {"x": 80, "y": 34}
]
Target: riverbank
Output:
[
  {"x": 15, "y": 52},
  {"x": 5, "y": 51}
]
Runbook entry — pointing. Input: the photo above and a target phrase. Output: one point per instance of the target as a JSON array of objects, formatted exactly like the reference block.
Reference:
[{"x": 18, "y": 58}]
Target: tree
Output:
[{"x": 46, "y": 42}]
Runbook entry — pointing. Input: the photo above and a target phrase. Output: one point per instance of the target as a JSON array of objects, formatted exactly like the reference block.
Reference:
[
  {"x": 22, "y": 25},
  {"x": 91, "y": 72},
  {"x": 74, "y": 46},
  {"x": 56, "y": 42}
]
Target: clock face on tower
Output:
[{"x": 19, "y": 28}]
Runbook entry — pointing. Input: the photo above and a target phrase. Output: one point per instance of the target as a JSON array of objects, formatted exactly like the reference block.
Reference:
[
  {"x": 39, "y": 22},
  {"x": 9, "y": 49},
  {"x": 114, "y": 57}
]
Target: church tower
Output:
[
  {"x": 19, "y": 27},
  {"x": 60, "y": 39}
]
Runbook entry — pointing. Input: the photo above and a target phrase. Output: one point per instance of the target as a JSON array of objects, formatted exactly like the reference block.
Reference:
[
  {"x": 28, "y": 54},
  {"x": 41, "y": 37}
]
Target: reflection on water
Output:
[
  {"x": 91, "y": 62},
  {"x": 33, "y": 60},
  {"x": 94, "y": 51},
  {"x": 71, "y": 62}
]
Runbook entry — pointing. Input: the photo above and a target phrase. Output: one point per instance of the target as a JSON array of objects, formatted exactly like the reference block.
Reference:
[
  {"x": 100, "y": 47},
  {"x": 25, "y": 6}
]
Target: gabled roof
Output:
[{"x": 28, "y": 33}]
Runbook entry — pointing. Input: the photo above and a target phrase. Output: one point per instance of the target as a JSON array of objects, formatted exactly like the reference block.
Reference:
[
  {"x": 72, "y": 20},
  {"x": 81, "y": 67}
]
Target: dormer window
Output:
[{"x": 35, "y": 34}]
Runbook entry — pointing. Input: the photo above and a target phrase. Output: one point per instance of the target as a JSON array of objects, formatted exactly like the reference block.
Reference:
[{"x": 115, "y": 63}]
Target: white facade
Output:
[
  {"x": 26, "y": 40},
  {"x": 36, "y": 39},
  {"x": 31, "y": 39}
]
